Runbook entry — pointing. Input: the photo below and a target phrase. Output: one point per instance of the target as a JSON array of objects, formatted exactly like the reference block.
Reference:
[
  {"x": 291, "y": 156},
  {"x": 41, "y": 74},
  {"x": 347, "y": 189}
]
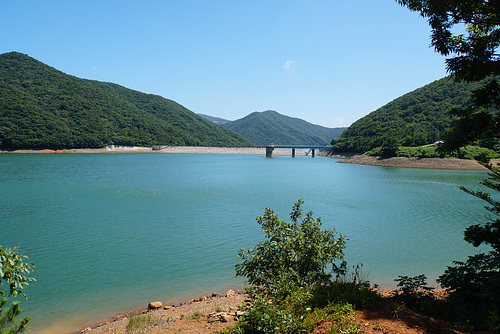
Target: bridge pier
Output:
[
  {"x": 269, "y": 151},
  {"x": 312, "y": 148}
]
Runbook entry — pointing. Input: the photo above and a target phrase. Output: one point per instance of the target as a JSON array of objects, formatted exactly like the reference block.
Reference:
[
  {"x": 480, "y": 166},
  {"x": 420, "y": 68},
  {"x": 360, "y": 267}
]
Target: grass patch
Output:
[
  {"x": 196, "y": 316},
  {"x": 141, "y": 323},
  {"x": 469, "y": 152}
]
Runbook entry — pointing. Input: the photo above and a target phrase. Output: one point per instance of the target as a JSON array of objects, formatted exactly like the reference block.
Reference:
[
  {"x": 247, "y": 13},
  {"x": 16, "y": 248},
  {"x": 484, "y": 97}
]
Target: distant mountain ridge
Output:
[
  {"x": 41, "y": 107},
  {"x": 263, "y": 128},
  {"x": 213, "y": 119}
]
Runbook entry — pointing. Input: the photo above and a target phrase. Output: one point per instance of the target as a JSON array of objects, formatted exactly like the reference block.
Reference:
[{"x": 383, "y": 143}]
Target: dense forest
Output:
[
  {"x": 263, "y": 128},
  {"x": 41, "y": 107},
  {"x": 414, "y": 119}
]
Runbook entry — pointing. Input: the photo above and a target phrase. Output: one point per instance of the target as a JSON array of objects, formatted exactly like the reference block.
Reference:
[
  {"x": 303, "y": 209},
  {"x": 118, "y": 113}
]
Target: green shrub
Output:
[
  {"x": 269, "y": 314},
  {"x": 13, "y": 271},
  {"x": 469, "y": 152},
  {"x": 411, "y": 285},
  {"x": 477, "y": 153},
  {"x": 293, "y": 314},
  {"x": 420, "y": 152},
  {"x": 295, "y": 254},
  {"x": 292, "y": 291}
]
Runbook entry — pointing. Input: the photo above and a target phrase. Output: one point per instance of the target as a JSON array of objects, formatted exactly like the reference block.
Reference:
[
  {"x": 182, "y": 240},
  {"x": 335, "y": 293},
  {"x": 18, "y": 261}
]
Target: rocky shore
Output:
[
  {"x": 216, "y": 312},
  {"x": 206, "y": 314}
]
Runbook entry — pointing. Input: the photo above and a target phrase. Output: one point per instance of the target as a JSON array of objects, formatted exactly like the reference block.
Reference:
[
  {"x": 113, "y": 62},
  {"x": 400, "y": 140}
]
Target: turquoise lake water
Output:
[{"x": 111, "y": 232}]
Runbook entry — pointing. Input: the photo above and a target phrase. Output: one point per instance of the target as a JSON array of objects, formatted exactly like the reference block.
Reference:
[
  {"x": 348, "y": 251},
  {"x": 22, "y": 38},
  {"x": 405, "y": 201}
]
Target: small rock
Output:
[
  {"x": 220, "y": 316},
  {"x": 88, "y": 329},
  {"x": 166, "y": 307},
  {"x": 213, "y": 317},
  {"x": 239, "y": 313},
  {"x": 155, "y": 305},
  {"x": 230, "y": 293},
  {"x": 225, "y": 317}
]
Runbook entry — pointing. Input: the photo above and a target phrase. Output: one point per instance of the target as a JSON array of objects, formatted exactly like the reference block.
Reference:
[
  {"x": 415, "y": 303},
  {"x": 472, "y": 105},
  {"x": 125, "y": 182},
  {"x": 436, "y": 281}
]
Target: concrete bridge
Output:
[{"x": 270, "y": 148}]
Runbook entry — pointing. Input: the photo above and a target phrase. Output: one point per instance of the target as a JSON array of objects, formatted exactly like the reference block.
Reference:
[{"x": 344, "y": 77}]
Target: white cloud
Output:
[{"x": 289, "y": 65}]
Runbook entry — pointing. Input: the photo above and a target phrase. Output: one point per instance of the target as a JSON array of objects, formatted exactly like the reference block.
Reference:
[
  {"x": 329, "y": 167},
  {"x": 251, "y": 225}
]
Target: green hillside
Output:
[
  {"x": 414, "y": 119},
  {"x": 267, "y": 127},
  {"x": 41, "y": 107}
]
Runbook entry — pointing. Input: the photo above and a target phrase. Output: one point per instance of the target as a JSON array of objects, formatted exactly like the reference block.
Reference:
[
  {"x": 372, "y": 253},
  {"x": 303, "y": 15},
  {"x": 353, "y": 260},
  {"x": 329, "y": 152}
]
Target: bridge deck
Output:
[
  {"x": 270, "y": 148},
  {"x": 317, "y": 147}
]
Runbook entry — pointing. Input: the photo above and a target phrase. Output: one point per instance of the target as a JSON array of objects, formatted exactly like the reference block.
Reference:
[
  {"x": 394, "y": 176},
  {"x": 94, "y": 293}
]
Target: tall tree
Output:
[
  {"x": 468, "y": 33},
  {"x": 472, "y": 56}
]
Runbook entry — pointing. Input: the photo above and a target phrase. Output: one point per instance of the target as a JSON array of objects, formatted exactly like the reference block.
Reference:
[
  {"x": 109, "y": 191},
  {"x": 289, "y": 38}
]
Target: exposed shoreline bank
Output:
[
  {"x": 401, "y": 162},
  {"x": 169, "y": 149},
  {"x": 212, "y": 303},
  {"x": 205, "y": 314},
  {"x": 423, "y": 163}
]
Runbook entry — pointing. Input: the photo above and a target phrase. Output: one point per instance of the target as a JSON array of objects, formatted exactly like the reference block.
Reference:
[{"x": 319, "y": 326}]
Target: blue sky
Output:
[{"x": 327, "y": 62}]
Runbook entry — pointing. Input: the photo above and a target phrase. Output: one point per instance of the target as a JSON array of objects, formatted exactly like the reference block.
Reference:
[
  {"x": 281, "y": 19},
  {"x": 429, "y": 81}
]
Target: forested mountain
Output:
[
  {"x": 41, "y": 107},
  {"x": 414, "y": 119},
  {"x": 267, "y": 127},
  {"x": 216, "y": 120}
]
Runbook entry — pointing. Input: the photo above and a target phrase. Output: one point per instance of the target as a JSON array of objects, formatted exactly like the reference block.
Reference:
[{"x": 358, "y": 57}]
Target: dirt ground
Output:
[{"x": 201, "y": 316}]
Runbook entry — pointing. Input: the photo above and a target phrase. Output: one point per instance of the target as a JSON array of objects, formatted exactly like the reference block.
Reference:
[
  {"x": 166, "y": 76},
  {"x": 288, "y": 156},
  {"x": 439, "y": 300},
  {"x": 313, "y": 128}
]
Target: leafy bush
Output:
[
  {"x": 292, "y": 291},
  {"x": 294, "y": 254},
  {"x": 411, "y": 285},
  {"x": 269, "y": 314},
  {"x": 477, "y": 153},
  {"x": 13, "y": 271},
  {"x": 295, "y": 313},
  {"x": 420, "y": 152}
]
